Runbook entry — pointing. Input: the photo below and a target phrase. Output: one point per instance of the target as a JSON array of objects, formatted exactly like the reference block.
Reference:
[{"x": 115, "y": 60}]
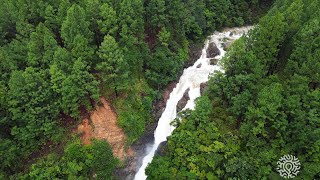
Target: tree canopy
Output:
[
  {"x": 266, "y": 105},
  {"x": 57, "y": 57}
]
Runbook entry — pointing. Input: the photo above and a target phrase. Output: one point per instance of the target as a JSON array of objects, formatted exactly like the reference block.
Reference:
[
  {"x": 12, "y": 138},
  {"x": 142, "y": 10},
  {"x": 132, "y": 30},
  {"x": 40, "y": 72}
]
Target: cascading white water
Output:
[{"x": 192, "y": 78}]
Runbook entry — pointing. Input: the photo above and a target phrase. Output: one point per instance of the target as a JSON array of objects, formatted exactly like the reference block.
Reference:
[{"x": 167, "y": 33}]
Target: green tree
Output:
[
  {"x": 62, "y": 11},
  {"x": 157, "y": 11},
  {"x": 41, "y": 47},
  {"x": 34, "y": 108},
  {"x": 265, "y": 105},
  {"x": 131, "y": 29},
  {"x": 108, "y": 22},
  {"x": 77, "y": 88},
  {"x": 75, "y": 24},
  {"x": 103, "y": 161},
  {"x": 81, "y": 49},
  {"x": 76, "y": 162},
  {"x": 9, "y": 14},
  {"x": 268, "y": 40},
  {"x": 52, "y": 21},
  {"x": 131, "y": 18},
  {"x": 114, "y": 68}
]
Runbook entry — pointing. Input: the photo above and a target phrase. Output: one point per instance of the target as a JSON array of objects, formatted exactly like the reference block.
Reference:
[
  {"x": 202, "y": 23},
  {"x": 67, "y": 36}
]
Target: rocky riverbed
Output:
[{"x": 146, "y": 140}]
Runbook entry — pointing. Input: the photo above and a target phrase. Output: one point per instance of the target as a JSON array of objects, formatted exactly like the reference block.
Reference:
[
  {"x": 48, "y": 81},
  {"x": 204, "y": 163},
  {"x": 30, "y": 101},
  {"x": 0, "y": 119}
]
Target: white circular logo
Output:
[{"x": 288, "y": 166}]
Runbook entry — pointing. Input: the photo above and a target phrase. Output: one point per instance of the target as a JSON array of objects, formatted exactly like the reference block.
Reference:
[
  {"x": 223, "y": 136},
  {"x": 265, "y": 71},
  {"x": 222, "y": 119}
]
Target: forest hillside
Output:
[
  {"x": 57, "y": 57},
  {"x": 266, "y": 105}
]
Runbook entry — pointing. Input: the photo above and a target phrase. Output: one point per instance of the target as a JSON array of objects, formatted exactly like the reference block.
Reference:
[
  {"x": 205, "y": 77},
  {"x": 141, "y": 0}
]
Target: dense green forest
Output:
[
  {"x": 265, "y": 105},
  {"x": 58, "y": 56}
]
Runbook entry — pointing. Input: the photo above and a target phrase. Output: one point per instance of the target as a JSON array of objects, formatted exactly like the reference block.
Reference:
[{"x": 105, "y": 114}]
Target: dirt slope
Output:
[{"x": 104, "y": 125}]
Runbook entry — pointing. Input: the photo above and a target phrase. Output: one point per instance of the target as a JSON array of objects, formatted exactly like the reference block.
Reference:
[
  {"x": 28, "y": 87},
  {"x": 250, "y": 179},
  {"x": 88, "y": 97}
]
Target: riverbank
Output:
[
  {"x": 147, "y": 139},
  {"x": 191, "y": 81}
]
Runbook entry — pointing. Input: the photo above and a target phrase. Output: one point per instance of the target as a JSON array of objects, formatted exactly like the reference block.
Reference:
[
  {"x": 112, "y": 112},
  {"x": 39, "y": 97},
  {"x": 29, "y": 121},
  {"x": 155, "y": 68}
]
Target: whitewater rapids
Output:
[{"x": 191, "y": 78}]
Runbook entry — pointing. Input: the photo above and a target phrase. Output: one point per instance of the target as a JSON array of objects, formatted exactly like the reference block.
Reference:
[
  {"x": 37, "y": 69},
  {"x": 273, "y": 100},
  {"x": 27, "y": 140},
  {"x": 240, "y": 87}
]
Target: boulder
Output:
[
  {"x": 203, "y": 87},
  {"x": 195, "y": 51},
  {"x": 214, "y": 61},
  {"x": 183, "y": 101},
  {"x": 212, "y": 50},
  {"x": 199, "y": 66}
]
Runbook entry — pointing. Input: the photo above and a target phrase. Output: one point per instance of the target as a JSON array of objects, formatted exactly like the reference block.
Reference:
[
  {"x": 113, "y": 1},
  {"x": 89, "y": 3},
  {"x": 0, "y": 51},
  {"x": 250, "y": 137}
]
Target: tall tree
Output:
[
  {"x": 77, "y": 89},
  {"x": 114, "y": 68},
  {"x": 108, "y": 22},
  {"x": 42, "y": 46},
  {"x": 157, "y": 13},
  {"x": 271, "y": 32},
  {"x": 75, "y": 24},
  {"x": 82, "y": 49},
  {"x": 33, "y": 106}
]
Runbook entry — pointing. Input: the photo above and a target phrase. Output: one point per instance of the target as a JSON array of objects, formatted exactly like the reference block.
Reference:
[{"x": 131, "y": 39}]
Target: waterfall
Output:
[{"x": 191, "y": 78}]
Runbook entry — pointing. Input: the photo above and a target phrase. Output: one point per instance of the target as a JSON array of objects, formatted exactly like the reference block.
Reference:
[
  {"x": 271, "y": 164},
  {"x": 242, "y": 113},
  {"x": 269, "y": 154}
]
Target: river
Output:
[{"x": 191, "y": 79}]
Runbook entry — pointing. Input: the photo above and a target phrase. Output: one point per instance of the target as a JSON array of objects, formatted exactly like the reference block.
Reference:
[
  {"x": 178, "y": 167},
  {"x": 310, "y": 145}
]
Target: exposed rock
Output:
[
  {"x": 105, "y": 127},
  {"x": 133, "y": 163},
  {"x": 157, "y": 114},
  {"x": 203, "y": 87},
  {"x": 147, "y": 139},
  {"x": 167, "y": 91},
  {"x": 195, "y": 51},
  {"x": 199, "y": 66},
  {"x": 159, "y": 106},
  {"x": 140, "y": 147},
  {"x": 183, "y": 101},
  {"x": 162, "y": 149},
  {"x": 212, "y": 50},
  {"x": 214, "y": 61}
]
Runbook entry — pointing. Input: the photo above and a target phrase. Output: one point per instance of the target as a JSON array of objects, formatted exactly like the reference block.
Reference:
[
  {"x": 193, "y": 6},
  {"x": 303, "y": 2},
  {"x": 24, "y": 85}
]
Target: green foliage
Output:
[
  {"x": 164, "y": 37},
  {"x": 41, "y": 47},
  {"x": 107, "y": 24},
  {"x": 81, "y": 49},
  {"x": 268, "y": 40},
  {"x": 77, "y": 162},
  {"x": 266, "y": 105},
  {"x": 72, "y": 80},
  {"x": 103, "y": 162},
  {"x": 164, "y": 67},
  {"x": 75, "y": 24},
  {"x": 113, "y": 68},
  {"x": 58, "y": 57},
  {"x": 77, "y": 88},
  {"x": 134, "y": 111},
  {"x": 31, "y": 99}
]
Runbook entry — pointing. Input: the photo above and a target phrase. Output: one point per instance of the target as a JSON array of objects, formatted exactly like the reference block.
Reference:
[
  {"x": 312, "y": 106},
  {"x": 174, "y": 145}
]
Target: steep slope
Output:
[
  {"x": 104, "y": 126},
  {"x": 266, "y": 105}
]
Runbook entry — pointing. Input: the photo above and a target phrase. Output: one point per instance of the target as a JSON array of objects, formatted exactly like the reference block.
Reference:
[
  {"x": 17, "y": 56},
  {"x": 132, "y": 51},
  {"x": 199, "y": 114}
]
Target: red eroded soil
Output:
[
  {"x": 86, "y": 130},
  {"x": 104, "y": 126}
]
